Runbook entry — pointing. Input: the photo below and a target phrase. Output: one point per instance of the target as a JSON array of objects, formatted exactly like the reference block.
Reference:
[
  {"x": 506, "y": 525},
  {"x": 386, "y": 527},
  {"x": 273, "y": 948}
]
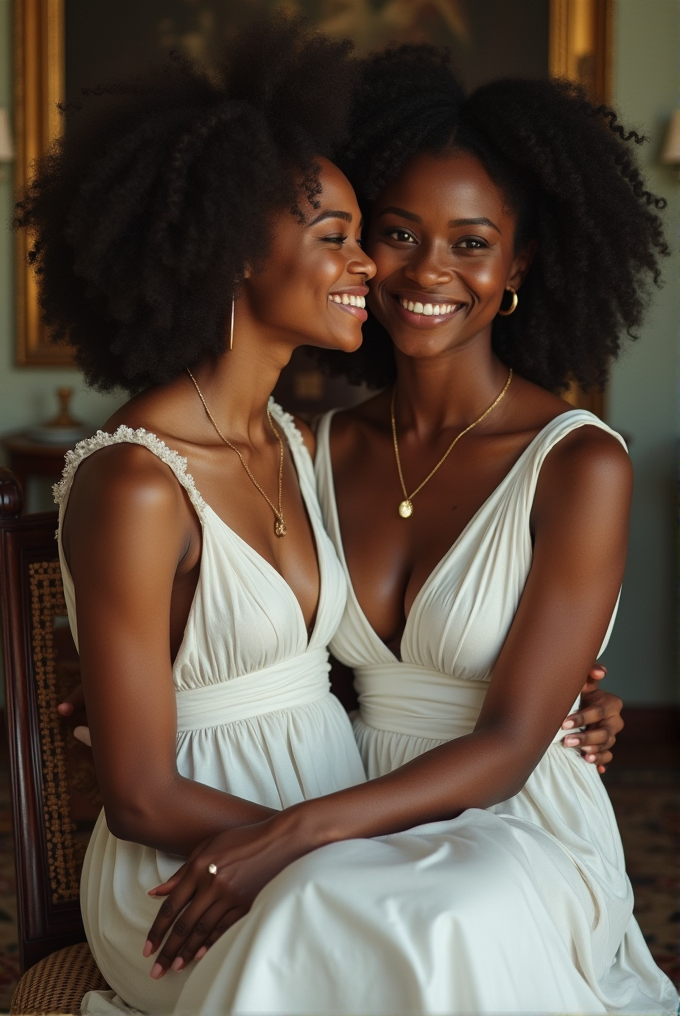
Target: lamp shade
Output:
[
  {"x": 671, "y": 149},
  {"x": 6, "y": 144}
]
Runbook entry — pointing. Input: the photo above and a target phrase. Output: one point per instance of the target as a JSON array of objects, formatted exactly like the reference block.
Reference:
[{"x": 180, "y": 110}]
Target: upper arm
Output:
[
  {"x": 580, "y": 516},
  {"x": 125, "y": 533}
]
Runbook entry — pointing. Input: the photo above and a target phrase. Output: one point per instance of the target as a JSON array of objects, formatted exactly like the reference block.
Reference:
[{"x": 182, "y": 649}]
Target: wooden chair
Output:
[{"x": 54, "y": 793}]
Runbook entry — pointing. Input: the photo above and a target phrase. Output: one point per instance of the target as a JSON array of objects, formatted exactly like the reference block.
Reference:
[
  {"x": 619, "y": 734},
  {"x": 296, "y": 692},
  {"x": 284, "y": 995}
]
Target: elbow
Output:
[
  {"x": 136, "y": 818},
  {"x": 127, "y": 822}
]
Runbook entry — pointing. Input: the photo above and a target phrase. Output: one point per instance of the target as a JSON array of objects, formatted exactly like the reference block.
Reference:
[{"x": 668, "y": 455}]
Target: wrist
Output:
[{"x": 303, "y": 826}]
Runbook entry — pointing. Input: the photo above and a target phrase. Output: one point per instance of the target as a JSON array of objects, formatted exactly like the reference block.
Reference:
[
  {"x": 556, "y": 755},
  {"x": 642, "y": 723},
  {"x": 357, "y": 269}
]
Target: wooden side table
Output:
[{"x": 33, "y": 458}]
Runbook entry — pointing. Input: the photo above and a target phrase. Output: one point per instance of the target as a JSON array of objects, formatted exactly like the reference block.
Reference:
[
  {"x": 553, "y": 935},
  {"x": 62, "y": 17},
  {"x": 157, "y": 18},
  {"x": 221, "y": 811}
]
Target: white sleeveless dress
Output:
[
  {"x": 489, "y": 912},
  {"x": 569, "y": 943}
]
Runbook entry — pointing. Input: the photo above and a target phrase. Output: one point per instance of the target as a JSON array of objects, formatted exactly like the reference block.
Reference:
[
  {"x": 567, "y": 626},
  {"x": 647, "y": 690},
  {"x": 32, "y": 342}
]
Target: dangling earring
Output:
[
  {"x": 231, "y": 330},
  {"x": 513, "y": 306}
]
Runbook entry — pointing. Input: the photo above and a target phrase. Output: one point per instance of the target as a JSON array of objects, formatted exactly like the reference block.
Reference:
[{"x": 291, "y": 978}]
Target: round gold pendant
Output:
[
  {"x": 406, "y": 509},
  {"x": 280, "y": 527}
]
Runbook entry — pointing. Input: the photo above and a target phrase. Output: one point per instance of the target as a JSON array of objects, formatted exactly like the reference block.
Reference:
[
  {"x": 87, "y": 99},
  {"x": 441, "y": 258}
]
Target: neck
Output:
[
  {"x": 447, "y": 391},
  {"x": 237, "y": 384}
]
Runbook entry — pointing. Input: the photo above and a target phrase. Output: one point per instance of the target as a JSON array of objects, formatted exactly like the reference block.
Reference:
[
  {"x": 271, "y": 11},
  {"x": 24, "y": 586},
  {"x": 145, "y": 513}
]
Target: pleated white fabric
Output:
[
  {"x": 522, "y": 908},
  {"x": 555, "y": 846}
]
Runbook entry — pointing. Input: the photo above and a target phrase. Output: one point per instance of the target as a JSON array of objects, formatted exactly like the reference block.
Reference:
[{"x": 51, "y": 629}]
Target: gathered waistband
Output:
[
  {"x": 404, "y": 698},
  {"x": 285, "y": 685}
]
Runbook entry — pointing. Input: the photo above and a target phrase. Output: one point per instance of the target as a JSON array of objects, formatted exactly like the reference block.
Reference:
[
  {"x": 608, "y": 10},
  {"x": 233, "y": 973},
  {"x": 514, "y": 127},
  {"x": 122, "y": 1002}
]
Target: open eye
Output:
[
  {"x": 471, "y": 243},
  {"x": 400, "y": 235}
]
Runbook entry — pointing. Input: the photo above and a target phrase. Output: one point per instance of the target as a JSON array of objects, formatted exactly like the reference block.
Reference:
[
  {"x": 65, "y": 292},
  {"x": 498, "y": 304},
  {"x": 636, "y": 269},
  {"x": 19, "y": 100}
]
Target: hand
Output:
[
  {"x": 73, "y": 707},
  {"x": 201, "y": 906},
  {"x": 600, "y": 714}
]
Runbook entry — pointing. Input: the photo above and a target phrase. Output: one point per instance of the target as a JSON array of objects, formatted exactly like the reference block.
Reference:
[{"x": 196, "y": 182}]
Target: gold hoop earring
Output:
[
  {"x": 231, "y": 330},
  {"x": 513, "y": 306}
]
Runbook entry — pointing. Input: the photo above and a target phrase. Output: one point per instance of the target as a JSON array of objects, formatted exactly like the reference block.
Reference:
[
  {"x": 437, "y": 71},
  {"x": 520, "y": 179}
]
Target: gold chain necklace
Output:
[
  {"x": 279, "y": 521},
  {"x": 406, "y": 506}
]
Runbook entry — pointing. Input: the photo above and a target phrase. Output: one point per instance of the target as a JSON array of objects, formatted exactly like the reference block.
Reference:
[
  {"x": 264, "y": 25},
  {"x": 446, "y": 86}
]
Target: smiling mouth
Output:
[
  {"x": 425, "y": 314},
  {"x": 351, "y": 303}
]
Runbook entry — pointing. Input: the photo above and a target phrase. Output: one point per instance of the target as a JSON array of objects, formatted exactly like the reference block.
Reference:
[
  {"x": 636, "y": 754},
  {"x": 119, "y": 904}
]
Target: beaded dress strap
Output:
[{"x": 126, "y": 435}]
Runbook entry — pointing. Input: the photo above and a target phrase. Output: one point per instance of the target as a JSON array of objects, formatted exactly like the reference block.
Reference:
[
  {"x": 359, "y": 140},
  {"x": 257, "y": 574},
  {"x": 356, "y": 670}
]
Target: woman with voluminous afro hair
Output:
[
  {"x": 159, "y": 195},
  {"x": 566, "y": 167}
]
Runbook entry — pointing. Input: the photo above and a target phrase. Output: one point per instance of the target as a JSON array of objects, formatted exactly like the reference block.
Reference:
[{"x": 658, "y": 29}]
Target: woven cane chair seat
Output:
[{"x": 57, "y": 983}]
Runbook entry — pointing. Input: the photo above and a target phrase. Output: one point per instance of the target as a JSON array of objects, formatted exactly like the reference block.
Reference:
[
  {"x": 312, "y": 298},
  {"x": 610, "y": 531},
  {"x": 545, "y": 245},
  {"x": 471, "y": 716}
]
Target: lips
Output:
[
  {"x": 425, "y": 311},
  {"x": 351, "y": 300}
]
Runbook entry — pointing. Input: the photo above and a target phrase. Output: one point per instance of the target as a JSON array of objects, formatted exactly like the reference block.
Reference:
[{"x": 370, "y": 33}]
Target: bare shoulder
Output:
[
  {"x": 121, "y": 483},
  {"x": 588, "y": 468}
]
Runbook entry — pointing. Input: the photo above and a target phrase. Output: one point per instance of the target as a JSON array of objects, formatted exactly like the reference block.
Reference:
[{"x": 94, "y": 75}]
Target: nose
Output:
[
  {"x": 427, "y": 267},
  {"x": 361, "y": 264}
]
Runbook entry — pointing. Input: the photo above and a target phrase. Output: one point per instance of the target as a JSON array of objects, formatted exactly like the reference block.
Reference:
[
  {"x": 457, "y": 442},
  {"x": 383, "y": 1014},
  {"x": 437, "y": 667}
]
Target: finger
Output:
[
  {"x": 83, "y": 734},
  {"x": 168, "y": 913},
  {"x": 224, "y": 924},
  {"x": 183, "y": 927},
  {"x": 204, "y": 927},
  {"x": 165, "y": 888},
  {"x": 72, "y": 702},
  {"x": 597, "y": 672},
  {"x": 595, "y": 711},
  {"x": 587, "y": 738}
]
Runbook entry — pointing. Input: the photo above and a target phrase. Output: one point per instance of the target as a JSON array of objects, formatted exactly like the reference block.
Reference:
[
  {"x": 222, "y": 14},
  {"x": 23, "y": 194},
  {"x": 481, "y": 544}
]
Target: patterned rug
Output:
[{"x": 647, "y": 805}]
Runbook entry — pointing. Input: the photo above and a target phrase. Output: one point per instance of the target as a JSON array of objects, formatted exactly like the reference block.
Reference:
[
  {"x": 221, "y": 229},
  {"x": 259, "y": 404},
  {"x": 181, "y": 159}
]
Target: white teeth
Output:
[
  {"x": 349, "y": 300},
  {"x": 429, "y": 309}
]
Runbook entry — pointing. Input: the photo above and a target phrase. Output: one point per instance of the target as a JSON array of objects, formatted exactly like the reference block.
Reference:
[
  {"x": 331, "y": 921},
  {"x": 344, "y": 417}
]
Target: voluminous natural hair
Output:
[
  {"x": 568, "y": 171},
  {"x": 146, "y": 215}
]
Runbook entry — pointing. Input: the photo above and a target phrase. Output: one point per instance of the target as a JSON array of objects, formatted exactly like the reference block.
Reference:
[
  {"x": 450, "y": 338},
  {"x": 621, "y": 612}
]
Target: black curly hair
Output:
[
  {"x": 567, "y": 170},
  {"x": 160, "y": 195}
]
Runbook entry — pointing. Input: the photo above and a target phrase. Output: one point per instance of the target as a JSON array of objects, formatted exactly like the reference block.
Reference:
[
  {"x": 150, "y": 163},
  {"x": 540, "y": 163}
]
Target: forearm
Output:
[
  {"x": 475, "y": 771},
  {"x": 178, "y": 814}
]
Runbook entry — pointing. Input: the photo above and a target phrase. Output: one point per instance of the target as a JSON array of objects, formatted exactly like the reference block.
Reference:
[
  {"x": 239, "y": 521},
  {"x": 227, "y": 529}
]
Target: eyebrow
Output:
[
  {"x": 452, "y": 222},
  {"x": 332, "y": 214},
  {"x": 474, "y": 222}
]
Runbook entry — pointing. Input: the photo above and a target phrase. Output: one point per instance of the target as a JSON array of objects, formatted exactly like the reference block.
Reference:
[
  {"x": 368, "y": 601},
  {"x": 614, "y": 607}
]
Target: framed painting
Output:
[{"x": 63, "y": 45}]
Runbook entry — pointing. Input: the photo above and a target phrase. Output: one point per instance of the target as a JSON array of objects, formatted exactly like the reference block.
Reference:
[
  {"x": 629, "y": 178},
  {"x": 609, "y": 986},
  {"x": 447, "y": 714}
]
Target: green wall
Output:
[
  {"x": 27, "y": 394},
  {"x": 643, "y": 399},
  {"x": 643, "y": 396}
]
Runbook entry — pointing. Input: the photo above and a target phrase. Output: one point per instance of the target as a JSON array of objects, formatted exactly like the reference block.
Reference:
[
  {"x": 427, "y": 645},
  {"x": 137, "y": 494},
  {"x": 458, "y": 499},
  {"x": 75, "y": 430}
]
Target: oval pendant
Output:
[
  {"x": 280, "y": 527},
  {"x": 406, "y": 509}
]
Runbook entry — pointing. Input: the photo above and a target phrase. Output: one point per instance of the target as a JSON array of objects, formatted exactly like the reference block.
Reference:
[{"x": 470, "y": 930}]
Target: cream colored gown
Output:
[{"x": 520, "y": 908}]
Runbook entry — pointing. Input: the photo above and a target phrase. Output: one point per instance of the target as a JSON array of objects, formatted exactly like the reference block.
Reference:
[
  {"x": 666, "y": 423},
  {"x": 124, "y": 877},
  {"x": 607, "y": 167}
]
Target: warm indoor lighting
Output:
[
  {"x": 671, "y": 149},
  {"x": 6, "y": 144}
]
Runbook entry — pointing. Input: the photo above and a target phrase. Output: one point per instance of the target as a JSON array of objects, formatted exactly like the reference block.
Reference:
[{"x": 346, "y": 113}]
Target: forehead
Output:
[{"x": 455, "y": 185}]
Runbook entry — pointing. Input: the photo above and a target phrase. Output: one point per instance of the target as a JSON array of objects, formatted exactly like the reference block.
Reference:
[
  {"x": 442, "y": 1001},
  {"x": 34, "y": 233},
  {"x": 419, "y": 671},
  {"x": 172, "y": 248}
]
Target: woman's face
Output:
[
  {"x": 313, "y": 284},
  {"x": 442, "y": 238}
]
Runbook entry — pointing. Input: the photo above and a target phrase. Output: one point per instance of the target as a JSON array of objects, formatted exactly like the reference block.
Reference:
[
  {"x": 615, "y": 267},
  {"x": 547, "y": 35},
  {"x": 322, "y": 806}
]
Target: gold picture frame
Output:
[{"x": 580, "y": 47}]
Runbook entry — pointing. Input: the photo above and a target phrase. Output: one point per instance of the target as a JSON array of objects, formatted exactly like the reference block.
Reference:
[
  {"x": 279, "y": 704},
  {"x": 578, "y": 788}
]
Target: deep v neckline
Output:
[
  {"x": 446, "y": 557},
  {"x": 255, "y": 554}
]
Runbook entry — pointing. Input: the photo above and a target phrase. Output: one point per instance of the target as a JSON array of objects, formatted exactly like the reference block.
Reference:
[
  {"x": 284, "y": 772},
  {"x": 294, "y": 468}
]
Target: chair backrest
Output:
[{"x": 54, "y": 794}]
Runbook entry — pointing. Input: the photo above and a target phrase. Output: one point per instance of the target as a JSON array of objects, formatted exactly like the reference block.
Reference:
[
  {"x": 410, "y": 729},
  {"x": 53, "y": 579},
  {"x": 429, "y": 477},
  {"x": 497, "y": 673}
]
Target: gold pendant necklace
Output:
[
  {"x": 279, "y": 520},
  {"x": 406, "y": 506}
]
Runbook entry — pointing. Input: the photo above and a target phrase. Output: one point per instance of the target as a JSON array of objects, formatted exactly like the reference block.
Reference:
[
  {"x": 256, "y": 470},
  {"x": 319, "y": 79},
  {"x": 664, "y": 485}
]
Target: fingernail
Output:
[
  {"x": 148, "y": 947},
  {"x": 177, "y": 963},
  {"x": 590, "y": 758},
  {"x": 201, "y": 952},
  {"x": 156, "y": 971},
  {"x": 568, "y": 724},
  {"x": 571, "y": 742}
]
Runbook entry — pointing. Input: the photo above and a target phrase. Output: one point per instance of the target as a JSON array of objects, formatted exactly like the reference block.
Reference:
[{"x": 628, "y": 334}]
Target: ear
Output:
[{"x": 521, "y": 264}]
